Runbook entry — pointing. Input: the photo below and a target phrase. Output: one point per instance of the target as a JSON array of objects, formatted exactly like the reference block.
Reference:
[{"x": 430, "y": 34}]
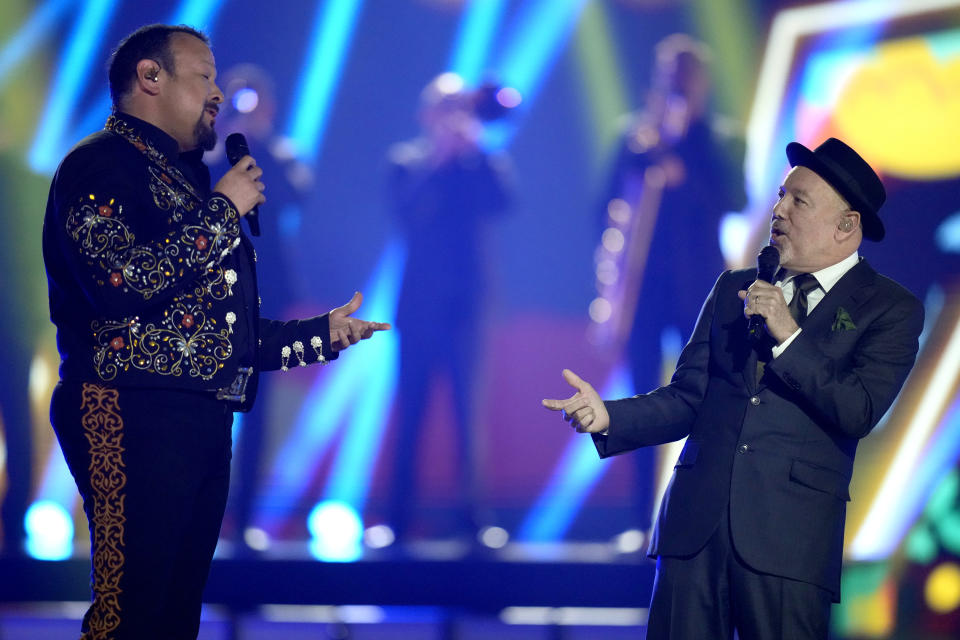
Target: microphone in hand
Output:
[
  {"x": 767, "y": 263},
  {"x": 236, "y": 145}
]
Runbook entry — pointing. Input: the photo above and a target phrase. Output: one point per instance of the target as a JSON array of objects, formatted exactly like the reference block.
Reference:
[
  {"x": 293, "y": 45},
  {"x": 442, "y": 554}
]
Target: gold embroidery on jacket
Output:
[
  {"x": 97, "y": 225},
  {"x": 103, "y": 428},
  {"x": 187, "y": 338}
]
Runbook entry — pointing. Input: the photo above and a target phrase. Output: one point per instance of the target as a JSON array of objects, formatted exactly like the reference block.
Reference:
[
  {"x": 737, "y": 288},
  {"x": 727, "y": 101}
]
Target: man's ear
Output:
[
  {"x": 849, "y": 221},
  {"x": 148, "y": 76}
]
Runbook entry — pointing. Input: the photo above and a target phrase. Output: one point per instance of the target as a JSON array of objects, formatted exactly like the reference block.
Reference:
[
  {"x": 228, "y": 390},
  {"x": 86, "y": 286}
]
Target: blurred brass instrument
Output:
[{"x": 621, "y": 255}]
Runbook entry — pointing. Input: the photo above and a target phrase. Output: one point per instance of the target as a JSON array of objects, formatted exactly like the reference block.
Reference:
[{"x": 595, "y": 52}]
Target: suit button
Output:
[
  {"x": 755, "y": 400},
  {"x": 743, "y": 448}
]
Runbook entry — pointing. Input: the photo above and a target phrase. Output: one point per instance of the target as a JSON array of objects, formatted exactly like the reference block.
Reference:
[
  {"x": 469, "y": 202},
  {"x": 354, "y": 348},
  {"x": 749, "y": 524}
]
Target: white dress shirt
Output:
[{"x": 826, "y": 278}]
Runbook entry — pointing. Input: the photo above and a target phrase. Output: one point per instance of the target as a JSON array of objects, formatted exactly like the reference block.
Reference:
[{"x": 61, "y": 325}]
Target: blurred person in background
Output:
[{"x": 445, "y": 189}]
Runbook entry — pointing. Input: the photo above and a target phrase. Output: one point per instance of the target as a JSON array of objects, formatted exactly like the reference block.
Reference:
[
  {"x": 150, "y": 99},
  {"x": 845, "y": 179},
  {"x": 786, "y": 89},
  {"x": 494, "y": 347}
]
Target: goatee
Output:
[{"x": 205, "y": 136}]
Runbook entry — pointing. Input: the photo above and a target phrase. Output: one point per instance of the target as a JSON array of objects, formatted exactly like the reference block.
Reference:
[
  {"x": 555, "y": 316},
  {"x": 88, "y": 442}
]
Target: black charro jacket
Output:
[
  {"x": 152, "y": 283},
  {"x": 777, "y": 452}
]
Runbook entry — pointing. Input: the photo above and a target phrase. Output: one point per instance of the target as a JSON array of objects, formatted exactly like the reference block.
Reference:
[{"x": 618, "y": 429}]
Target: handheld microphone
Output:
[
  {"x": 767, "y": 263},
  {"x": 237, "y": 147}
]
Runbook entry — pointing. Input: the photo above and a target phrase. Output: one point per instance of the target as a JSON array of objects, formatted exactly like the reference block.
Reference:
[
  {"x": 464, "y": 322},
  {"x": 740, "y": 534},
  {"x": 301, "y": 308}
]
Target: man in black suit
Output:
[{"x": 750, "y": 532}]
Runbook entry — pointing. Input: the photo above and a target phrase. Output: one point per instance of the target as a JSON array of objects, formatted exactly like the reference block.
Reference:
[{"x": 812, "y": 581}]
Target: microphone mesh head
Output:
[
  {"x": 236, "y": 147},
  {"x": 767, "y": 263}
]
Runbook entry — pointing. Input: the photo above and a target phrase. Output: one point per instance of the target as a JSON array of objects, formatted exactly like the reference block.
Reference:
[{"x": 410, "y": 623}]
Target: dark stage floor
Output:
[{"x": 426, "y": 590}]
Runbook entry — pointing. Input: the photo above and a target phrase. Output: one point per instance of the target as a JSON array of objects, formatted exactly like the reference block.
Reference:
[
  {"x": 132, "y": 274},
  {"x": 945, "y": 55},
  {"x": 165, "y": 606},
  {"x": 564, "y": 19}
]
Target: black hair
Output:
[{"x": 148, "y": 42}]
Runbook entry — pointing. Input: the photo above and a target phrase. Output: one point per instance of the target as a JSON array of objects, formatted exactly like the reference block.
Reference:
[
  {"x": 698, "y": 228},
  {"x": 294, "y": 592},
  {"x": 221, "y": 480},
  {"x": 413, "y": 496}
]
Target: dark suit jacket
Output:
[{"x": 778, "y": 451}]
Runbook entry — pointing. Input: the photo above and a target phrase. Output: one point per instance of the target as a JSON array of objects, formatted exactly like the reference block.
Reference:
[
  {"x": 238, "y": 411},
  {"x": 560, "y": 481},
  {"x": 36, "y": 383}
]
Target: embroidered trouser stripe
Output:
[{"x": 103, "y": 429}]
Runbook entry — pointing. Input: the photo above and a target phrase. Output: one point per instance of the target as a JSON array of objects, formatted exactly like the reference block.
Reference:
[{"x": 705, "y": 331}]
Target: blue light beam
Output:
[
  {"x": 542, "y": 29},
  {"x": 354, "y": 466},
  {"x": 577, "y": 472},
  {"x": 197, "y": 13},
  {"x": 364, "y": 379},
  {"x": 477, "y": 28},
  {"x": 49, "y": 143},
  {"x": 332, "y": 33}
]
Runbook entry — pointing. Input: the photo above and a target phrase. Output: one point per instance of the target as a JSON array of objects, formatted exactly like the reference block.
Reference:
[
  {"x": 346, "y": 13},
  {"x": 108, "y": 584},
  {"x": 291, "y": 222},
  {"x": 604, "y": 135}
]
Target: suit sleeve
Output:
[
  {"x": 851, "y": 392},
  {"x": 668, "y": 413},
  {"x": 120, "y": 272},
  {"x": 295, "y": 343}
]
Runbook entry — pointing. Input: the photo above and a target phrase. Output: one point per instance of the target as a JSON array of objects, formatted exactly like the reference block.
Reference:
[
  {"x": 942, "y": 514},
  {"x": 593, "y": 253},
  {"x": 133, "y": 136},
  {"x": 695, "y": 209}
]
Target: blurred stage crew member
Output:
[
  {"x": 153, "y": 292},
  {"x": 445, "y": 188},
  {"x": 678, "y": 170},
  {"x": 750, "y": 533}
]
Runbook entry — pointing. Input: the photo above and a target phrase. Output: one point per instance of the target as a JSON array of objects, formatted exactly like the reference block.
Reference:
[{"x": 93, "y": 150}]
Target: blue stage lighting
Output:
[
  {"x": 332, "y": 33},
  {"x": 479, "y": 23},
  {"x": 573, "y": 478},
  {"x": 49, "y": 531},
  {"x": 246, "y": 100},
  {"x": 353, "y": 468},
  {"x": 57, "y": 484},
  {"x": 72, "y": 72},
  {"x": 948, "y": 234},
  {"x": 365, "y": 378},
  {"x": 542, "y": 29},
  {"x": 336, "y": 532},
  {"x": 196, "y": 13}
]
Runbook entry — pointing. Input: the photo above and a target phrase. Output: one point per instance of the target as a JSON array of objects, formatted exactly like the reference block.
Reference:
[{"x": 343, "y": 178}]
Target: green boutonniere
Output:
[{"x": 842, "y": 321}]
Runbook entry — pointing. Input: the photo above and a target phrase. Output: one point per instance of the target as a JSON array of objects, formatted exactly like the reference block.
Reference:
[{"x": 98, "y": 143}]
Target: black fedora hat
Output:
[{"x": 850, "y": 175}]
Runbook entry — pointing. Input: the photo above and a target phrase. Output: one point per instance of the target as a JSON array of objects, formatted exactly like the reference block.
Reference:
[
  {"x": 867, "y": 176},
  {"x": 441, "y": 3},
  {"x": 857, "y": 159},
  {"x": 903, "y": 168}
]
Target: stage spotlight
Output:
[
  {"x": 336, "y": 531},
  {"x": 493, "y": 537},
  {"x": 256, "y": 538},
  {"x": 49, "y": 531},
  {"x": 942, "y": 589},
  {"x": 600, "y": 310},
  {"x": 613, "y": 240},
  {"x": 246, "y": 100},
  {"x": 508, "y": 97},
  {"x": 630, "y": 541},
  {"x": 379, "y": 536}
]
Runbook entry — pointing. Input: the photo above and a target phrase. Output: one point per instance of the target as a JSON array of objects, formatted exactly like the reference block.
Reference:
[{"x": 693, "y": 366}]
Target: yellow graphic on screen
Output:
[{"x": 901, "y": 110}]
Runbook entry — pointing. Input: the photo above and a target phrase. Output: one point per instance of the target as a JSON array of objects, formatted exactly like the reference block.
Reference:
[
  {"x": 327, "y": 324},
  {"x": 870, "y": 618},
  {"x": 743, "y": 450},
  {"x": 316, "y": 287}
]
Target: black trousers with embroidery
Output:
[{"x": 153, "y": 468}]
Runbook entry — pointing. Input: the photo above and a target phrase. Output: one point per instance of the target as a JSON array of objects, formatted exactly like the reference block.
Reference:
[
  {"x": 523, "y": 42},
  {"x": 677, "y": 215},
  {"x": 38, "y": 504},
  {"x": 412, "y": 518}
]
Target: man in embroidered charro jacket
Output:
[
  {"x": 154, "y": 294},
  {"x": 750, "y": 531}
]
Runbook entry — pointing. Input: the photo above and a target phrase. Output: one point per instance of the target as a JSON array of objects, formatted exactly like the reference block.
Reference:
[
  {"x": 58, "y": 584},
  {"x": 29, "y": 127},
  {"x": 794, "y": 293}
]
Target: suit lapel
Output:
[
  {"x": 851, "y": 291},
  {"x": 855, "y": 286}
]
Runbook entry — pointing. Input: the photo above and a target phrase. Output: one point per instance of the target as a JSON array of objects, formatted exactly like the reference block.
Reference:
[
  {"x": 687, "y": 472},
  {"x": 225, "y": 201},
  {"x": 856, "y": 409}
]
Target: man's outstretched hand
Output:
[
  {"x": 345, "y": 331},
  {"x": 584, "y": 410}
]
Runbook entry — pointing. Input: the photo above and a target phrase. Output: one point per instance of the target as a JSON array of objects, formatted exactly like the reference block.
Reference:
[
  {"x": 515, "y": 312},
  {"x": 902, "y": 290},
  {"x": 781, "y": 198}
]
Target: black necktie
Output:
[{"x": 803, "y": 284}]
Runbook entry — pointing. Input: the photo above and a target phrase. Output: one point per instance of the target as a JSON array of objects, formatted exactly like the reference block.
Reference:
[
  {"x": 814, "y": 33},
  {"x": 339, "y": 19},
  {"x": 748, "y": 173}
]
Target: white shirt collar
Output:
[{"x": 829, "y": 276}]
